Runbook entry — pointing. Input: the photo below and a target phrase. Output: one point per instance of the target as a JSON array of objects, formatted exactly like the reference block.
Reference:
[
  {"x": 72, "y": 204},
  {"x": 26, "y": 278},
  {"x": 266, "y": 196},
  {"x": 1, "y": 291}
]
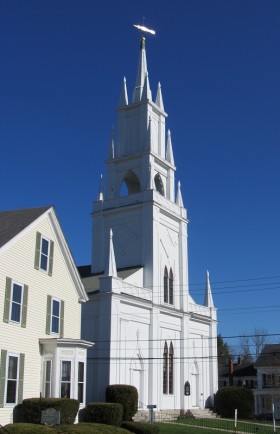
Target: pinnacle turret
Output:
[
  {"x": 124, "y": 97},
  {"x": 110, "y": 268},
  {"x": 100, "y": 194},
  {"x": 169, "y": 149},
  {"x": 179, "y": 199},
  {"x": 208, "y": 299},
  {"x": 159, "y": 100}
]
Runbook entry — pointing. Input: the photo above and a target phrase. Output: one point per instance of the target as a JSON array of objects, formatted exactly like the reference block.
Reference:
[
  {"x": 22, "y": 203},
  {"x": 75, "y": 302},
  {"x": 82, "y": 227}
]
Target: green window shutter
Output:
[
  {"x": 20, "y": 377},
  {"x": 7, "y": 303},
  {"x": 2, "y": 376},
  {"x": 24, "y": 306},
  {"x": 37, "y": 251},
  {"x": 61, "y": 319},
  {"x": 51, "y": 258},
  {"x": 48, "y": 318}
]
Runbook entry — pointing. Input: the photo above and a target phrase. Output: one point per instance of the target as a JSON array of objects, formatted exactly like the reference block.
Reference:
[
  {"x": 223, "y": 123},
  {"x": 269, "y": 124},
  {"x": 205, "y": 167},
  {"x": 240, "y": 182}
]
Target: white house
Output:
[
  {"x": 40, "y": 312},
  {"x": 148, "y": 330},
  {"x": 267, "y": 393}
]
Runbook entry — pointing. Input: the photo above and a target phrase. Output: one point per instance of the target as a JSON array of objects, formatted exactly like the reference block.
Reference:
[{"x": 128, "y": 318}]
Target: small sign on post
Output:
[
  {"x": 50, "y": 417},
  {"x": 151, "y": 411}
]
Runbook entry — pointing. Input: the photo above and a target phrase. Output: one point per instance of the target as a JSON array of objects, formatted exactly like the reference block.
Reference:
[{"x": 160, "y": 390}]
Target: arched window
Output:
[
  {"x": 159, "y": 184},
  {"x": 168, "y": 286},
  {"x": 130, "y": 184},
  {"x": 168, "y": 369},
  {"x": 165, "y": 285},
  {"x": 171, "y": 369},
  {"x": 165, "y": 369}
]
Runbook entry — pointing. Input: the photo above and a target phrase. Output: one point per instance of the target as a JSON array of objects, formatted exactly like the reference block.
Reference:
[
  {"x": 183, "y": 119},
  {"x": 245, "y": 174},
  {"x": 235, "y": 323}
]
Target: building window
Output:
[
  {"x": 65, "y": 382},
  {"x": 168, "y": 286},
  {"x": 12, "y": 379},
  {"x": 81, "y": 381},
  {"x": 55, "y": 316},
  {"x": 165, "y": 368},
  {"x": 159, "y": 184},
  {"x": 168, "y": 369},
  {"x": 47, "y": 379},
  {"x": 165, "y": 285},
  {"x": 44, "y": 254},
  {"x": 15, "y": 307},
  {"x": 171, "y": 369}
]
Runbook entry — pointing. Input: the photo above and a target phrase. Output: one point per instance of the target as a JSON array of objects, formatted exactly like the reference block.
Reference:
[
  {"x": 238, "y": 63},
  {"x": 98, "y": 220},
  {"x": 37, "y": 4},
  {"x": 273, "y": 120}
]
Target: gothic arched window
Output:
[
  {"x": 171, "y": 280},
  {"x": 168, "y": 286},
  {"x": 159, "y": 184},
  {"x": 165, "y": 286},
  {"x": 168, "y": 369},
  {"x": 165, "y": 369},
  {"x": 171, "y": 369}
]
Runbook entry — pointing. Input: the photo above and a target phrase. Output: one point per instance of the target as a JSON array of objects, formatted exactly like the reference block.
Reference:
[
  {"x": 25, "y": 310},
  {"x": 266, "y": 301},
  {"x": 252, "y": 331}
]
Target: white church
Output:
[{"x": 148, "y": 330}]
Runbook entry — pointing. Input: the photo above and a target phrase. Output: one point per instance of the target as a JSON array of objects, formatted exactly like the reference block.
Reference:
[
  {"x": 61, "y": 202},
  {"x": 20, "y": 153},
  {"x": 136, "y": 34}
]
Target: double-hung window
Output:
[
  {"x": 65, "y": 379},
  {"x": 55, "y": 316},
  {"x": 15, "y": 307},
  {"x": 47, "y": 378},
  {"x": 81, "y": 381},
  {"x": 44, "y": 254},
  {"x": 11, "y": 379}
]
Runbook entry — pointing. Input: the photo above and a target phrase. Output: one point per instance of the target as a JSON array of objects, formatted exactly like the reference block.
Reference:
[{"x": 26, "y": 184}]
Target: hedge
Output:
[
  {"x": 104, "y": 412},
  {"x": 141, "y": 427},
  {"x": 230, "y": 398},
  {"x": 32, "y": 407},
  {"x": 126, "y": 395},
  {"x": 26, "y": 428},
  {"x": 81, "y": 428}
]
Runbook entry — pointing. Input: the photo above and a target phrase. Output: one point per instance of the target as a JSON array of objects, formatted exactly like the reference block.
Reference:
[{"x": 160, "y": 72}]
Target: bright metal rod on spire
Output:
[{"x": 144, "y": 29}]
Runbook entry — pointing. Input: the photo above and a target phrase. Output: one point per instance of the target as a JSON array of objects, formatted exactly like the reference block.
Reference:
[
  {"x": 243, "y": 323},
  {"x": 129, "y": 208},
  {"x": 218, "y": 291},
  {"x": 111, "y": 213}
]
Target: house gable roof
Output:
[
  {"x": 13, "y": 222},
  {"x": 270, "y": 356}
]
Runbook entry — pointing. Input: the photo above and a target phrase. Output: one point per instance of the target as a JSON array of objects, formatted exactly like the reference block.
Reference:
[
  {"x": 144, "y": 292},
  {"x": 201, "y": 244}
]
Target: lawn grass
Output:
[{"x": 207, "y": 426}]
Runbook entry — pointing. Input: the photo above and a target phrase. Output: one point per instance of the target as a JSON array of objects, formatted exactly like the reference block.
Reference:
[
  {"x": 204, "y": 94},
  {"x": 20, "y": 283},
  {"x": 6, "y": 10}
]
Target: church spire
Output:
[
  {"x": 141, "y": 73},
  {"x": 124, "y": 97},
  {"x": 208, "y": 299},
  {"x": 100, "y": 194},
  {"x": 110, "y": 267}
]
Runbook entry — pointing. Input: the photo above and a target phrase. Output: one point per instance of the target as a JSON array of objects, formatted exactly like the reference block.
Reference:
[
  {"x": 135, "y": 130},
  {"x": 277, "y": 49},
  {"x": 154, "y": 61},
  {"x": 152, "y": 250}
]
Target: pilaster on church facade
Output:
[{"x": 156, "y": 337}]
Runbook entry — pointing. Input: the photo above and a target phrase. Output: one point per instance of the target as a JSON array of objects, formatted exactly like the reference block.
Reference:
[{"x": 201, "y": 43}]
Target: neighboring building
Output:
[
  {"x": 268, "y": 389},
  {"x": 147, "y": 329},
  {"x": 40, "y": 311},
  {"x": 237, "y": 374}
]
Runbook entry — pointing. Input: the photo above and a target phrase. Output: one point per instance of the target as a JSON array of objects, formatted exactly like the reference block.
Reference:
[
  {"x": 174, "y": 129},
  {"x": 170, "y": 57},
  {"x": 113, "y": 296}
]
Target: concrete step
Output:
[{"x": 201, "y": 413}]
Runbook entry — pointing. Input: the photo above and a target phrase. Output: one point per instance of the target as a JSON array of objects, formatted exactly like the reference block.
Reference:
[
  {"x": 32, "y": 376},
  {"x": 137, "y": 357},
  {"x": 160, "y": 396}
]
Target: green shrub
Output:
[
  {"x": 140, "y": 427},
  {"x": 104, "y": 412},
  {"x": 125, "y": 395},
  {"x": 27, "y": 428},
  {"x": 229, "y": 398},
  {"x": 32, "y": 407}
]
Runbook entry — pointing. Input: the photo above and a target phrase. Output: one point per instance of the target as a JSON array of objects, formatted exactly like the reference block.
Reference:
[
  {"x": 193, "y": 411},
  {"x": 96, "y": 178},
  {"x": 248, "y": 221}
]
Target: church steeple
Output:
[{"x": 141, "y": 73}]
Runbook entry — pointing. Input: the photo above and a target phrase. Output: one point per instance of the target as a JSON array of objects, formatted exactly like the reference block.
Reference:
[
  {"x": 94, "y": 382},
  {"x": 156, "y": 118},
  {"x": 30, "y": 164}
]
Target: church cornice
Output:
[{"x": 145, "y": 102}]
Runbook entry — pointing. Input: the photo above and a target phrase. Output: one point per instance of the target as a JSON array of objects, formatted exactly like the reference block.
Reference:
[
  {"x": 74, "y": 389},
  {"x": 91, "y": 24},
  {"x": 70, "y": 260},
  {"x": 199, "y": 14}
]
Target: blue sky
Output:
[{"x": 62, "y": 67}]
